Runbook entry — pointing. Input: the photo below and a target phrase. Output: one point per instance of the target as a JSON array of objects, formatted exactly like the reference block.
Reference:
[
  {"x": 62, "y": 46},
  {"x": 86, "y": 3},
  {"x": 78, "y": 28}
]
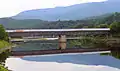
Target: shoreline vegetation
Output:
[
  {"x": 2, "y": 68},
  {"x": 96, "y": 42},
  {"x": 3, "y": 56},
  {"x": 4, "y": 48},
  {"x": 4, "y": 44}
]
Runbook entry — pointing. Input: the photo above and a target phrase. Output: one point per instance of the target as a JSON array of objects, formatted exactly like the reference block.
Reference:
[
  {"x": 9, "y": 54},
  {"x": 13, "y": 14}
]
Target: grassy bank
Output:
[
  {"x": 3, "y": 56},
  {"x": 2, "y": 68},
  {"x": 4, "y": 44}
]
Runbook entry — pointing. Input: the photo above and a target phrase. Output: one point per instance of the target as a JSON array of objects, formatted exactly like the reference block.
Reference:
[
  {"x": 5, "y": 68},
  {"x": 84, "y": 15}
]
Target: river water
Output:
[{"x": 92, "y": 61}]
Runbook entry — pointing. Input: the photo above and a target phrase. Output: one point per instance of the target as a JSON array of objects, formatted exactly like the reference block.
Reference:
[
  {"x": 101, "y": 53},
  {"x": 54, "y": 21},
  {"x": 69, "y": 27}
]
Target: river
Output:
[{"x": 92, "y": 61}]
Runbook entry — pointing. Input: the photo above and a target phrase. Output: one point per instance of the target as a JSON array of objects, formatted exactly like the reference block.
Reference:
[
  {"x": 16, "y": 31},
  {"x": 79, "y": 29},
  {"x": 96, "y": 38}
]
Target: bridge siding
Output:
[{"x": 51, "y": 34}]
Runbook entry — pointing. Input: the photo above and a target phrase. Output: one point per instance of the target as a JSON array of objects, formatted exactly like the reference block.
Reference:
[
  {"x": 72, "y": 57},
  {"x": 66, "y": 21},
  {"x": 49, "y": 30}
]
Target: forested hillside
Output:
[
  {"x": 98, "y": 21},
  {"x": 101, "y": 21}
]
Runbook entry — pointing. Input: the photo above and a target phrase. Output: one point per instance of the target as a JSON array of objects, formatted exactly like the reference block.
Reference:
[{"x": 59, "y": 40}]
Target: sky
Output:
[{"x": 12, "y": 7}]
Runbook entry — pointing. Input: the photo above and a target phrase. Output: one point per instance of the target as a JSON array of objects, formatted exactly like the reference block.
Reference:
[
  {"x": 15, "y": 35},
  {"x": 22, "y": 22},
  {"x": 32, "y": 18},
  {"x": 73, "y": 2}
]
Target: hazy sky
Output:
[{"x": 13, "y": 7}]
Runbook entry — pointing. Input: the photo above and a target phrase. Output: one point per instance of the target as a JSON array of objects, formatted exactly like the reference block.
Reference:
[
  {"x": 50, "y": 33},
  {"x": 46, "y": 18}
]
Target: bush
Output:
[
  {"x": 115, "y": 27},
  {"x": 2, "y": 68}
]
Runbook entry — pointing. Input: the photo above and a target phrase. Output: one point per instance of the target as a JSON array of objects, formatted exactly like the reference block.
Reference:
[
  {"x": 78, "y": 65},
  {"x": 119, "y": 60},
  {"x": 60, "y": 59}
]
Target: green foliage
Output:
[
  {"x": 96, "y": 42},
  {"x": 4, "y": 44},
  {"x": 102, "y": 26},
  {"x": 2, "y": 68},
  {"x": 115, "y": 53},
  {"x": 100, "y": 43},
  {"x": 3, "y": 34},
  {"x": 75, "y": 43},
  {"x": 86, "y": 41},
  {"x": 104, "y": 53},
  {"x": 115, "y": 27},
  {"x": 3, "y": 57}
]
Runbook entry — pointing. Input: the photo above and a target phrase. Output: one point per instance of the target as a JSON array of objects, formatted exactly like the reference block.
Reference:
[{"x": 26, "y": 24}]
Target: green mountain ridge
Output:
[{"x": 90, "y": 22}]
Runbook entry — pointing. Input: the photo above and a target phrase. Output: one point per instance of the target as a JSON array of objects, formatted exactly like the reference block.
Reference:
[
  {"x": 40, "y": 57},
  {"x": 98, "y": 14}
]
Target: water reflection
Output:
[
  {"x": 39, "y": 45},
  {"x": 85, "y": 59},
  {"x": 71, "y": 62},
  {"x": 106, "y": 59}
]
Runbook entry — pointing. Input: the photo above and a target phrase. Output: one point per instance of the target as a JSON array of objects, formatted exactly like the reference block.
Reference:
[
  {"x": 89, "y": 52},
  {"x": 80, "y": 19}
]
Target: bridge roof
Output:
[{"x": 59, "y": 30}]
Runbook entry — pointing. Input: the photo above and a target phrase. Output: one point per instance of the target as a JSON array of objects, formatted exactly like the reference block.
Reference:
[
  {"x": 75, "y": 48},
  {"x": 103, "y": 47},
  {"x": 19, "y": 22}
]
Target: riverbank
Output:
[
  {"x": 2, "y": 68},
  {"x": 4, "y": 45},
  {"x": 96, "y": 42},
  {"x": 3, "y": 56}
]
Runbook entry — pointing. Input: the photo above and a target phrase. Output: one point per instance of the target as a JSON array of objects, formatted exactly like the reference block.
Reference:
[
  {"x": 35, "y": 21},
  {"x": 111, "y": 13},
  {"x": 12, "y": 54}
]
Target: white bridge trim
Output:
[{"x": 59, "y": 30}]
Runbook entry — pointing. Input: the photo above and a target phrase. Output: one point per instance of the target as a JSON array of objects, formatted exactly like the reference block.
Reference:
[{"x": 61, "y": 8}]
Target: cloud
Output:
[{"x": 13, "y": 7}]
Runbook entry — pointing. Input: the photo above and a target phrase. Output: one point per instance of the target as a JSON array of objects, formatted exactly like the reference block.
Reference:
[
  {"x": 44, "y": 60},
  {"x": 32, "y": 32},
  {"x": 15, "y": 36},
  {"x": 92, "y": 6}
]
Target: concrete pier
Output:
[{"x": 62, "y": 41}]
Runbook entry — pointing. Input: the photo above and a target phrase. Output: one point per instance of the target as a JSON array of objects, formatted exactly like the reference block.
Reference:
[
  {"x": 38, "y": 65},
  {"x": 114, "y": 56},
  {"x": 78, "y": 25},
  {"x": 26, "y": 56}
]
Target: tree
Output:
[
  {"x": 85, "y": 26},
  {"x": 102, "y": 26},
  {"x": 115, "y": 27},
  {"x": 3, "y": 33}
]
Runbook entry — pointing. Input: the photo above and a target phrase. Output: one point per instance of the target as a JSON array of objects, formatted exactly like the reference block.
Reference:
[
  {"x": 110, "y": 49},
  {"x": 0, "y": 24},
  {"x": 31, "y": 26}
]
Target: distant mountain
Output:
[
  {"x": 37, "y": 23},
  {"x": 74, "y": 12}
]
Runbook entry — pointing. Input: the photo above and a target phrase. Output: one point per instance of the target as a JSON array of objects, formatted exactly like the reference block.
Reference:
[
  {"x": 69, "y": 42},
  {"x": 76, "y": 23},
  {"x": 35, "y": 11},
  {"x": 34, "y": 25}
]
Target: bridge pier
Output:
[{"x": 62, "y": 41}]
